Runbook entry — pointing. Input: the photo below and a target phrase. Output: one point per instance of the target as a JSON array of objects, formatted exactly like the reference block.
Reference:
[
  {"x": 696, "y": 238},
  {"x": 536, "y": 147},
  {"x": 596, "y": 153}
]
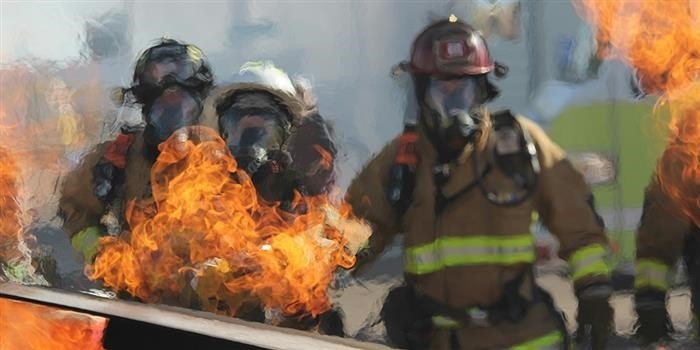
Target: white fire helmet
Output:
[{"x": 266, "y": 73}]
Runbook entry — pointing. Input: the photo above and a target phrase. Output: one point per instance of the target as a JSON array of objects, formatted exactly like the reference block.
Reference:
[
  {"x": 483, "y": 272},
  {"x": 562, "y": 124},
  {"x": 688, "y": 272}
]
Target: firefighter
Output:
[
  {"x": 664, "y": 235},
  {"x": 274, "y": 130},
  {"x": 170, "y": 81},
  {"x": 461, "y": 185}
]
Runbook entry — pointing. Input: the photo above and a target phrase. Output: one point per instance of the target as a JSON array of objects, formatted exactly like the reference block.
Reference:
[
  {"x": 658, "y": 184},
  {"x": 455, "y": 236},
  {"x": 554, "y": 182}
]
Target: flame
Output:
[
  {"x": 206, "y": 233},
  {"x": 661, "y": 40},
  {"x": 40, "y": 125},
  {"x": 37, "y": 327},
  {"x": 10, "y": 224}
]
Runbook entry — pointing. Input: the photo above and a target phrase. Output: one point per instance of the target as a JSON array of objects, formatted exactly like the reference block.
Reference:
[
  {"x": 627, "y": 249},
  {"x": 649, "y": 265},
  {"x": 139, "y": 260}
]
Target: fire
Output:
[
  {"x": 40, "y": 126},
  {"x": 37, "y": 327},
  {"x": 205, "y": 233},
  {"x": 661, "y": 40},
  {"x": 10, "y": 224}
]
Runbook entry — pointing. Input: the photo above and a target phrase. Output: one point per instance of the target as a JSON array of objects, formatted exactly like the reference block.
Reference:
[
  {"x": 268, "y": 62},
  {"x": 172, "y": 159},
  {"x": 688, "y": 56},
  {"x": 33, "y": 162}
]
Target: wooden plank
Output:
[{"x": 222, "y": 327}]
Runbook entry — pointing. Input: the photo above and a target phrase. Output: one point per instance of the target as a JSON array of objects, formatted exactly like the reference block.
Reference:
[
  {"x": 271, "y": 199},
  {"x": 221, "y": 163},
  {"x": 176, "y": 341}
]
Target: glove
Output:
[
  {"x": 653, "y": 323},
  {"x": 331, "y": 322},
  {"x": 407, "y": 327},
  {"x": 595, "y": 316},
  {"x": 86, "y": 242},
  {"x": 103, "y": 175}
]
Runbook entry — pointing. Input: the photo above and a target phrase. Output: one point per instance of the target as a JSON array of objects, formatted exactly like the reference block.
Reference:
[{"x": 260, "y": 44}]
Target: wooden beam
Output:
[{"x": 217, "y": 326}]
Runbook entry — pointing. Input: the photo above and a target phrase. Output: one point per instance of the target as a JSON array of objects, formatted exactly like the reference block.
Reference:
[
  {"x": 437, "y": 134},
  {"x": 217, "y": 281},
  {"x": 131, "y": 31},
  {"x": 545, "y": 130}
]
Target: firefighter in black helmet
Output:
[{"x": 171, "y": 79}]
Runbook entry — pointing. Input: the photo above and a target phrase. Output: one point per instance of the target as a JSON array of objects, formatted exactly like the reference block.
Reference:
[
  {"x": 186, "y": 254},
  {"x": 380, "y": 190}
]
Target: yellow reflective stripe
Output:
[
  {"x": 194, "y": 54},
  {"x": 444, "y": 322},
  {"x": 551, "y": 340},
  {"x": 471, "y": 250},
  {"x": 589, "y": 260},
  {"x": 651, "y": 273}
]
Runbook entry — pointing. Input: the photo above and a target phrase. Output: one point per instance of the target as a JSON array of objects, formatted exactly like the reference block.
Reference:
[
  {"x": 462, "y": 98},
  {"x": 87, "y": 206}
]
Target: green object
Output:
[
  {"x": 628, "y": 131},
  {"x": 638, "y": 142},
  {"x": 550, "y": 340},
  {"x": 86, "y": 242}
]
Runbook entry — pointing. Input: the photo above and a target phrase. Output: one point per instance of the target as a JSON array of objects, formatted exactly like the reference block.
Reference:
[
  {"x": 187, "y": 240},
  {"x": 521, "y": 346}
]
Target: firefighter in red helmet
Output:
[{"x": 462, "y": 189}]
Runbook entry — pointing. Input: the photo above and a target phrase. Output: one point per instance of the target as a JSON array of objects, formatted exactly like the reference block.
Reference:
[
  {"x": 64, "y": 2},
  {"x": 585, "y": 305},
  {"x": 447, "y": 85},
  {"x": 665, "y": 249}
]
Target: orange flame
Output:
[
  {"x": 25, "y": 326},
  {"x": 206, "y": 233},
  {"x": 661, "y": 40},
  {"x": 39, "y": 126},
  {"x": 10, "y": 225}
]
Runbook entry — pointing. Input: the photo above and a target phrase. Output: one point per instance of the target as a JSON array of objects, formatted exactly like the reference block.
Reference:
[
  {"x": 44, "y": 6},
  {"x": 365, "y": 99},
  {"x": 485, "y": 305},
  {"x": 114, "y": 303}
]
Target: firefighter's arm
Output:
[
  {"x": 367, "y": 196},
  {"x": 565, "y": 204},
  {"x": 660, "y": 237},
  {"x": 79, "y": 206}
]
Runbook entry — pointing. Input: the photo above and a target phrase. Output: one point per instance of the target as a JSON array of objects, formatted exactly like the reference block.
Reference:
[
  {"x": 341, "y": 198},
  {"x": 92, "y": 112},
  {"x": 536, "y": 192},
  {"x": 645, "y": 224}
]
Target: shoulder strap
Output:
[{"x": 402, "y": 174}]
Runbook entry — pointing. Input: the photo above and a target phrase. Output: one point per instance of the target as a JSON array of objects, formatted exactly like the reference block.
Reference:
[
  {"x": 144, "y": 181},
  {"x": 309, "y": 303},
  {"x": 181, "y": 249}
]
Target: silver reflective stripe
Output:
[
  {"x": 652, "y": 275},
  {"x": 587, "y": 261},
  {"x": 447, "y": 252},
  {"x": 469, "y": 250}
]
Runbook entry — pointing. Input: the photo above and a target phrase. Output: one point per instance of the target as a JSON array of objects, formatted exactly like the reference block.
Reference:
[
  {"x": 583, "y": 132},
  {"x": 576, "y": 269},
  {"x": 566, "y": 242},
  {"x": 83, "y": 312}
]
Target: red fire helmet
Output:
[{"x": 450, "y": 47}]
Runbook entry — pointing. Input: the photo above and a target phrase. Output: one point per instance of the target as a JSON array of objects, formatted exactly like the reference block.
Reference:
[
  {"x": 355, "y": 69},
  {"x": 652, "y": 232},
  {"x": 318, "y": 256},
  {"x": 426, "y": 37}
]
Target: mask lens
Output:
[
  {"x": 451, "y": 97},
  {"x": 244, "y": 132},
  {"x": 174, "y": 109}
]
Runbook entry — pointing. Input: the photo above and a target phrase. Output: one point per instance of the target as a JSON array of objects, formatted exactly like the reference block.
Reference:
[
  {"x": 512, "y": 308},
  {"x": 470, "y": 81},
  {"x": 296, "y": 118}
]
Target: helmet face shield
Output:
[
  {"x": 165, "y": 62},
  {"x": 170, "y": 63}
]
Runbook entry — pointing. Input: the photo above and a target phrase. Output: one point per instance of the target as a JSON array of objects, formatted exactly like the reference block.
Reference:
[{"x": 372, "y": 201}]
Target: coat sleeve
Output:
[
  {"x": 660, "y": 239},
  {"x": 78, "y": 205},
  {"x": 566, "y": 206},
  {"x": 367, "y": 196}
]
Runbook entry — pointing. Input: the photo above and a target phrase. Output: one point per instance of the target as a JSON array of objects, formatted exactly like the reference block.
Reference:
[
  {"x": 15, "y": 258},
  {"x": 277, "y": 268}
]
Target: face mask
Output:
[
  {"x": 173, "y": 109},
  {"x": 251, "y": 138},
  {"x": 454, "y": 104}
]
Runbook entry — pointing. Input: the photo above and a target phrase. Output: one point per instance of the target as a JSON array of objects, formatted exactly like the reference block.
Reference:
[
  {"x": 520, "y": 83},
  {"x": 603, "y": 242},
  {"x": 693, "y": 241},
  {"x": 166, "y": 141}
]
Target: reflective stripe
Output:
[
  {"x": 651, "y": 273},
  {"x": 478, "y": 317},
  {"x": 589, "y": 260},
  {"x": 444, "y": 322},
  {"x": 471, "y": 250},
  {"x": 550, "y": 341}
]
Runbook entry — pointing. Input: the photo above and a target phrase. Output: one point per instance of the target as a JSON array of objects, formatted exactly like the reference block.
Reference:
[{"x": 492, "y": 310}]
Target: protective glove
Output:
[
  {"x": 407, "y": 326},
  {"x": 86, "y": 242},
  {"x": 595, "y": 315},
  {"x": 653, "y": 323},
  {"x": 331, "y": 322},
  {"x": 103, "y": 177}
]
